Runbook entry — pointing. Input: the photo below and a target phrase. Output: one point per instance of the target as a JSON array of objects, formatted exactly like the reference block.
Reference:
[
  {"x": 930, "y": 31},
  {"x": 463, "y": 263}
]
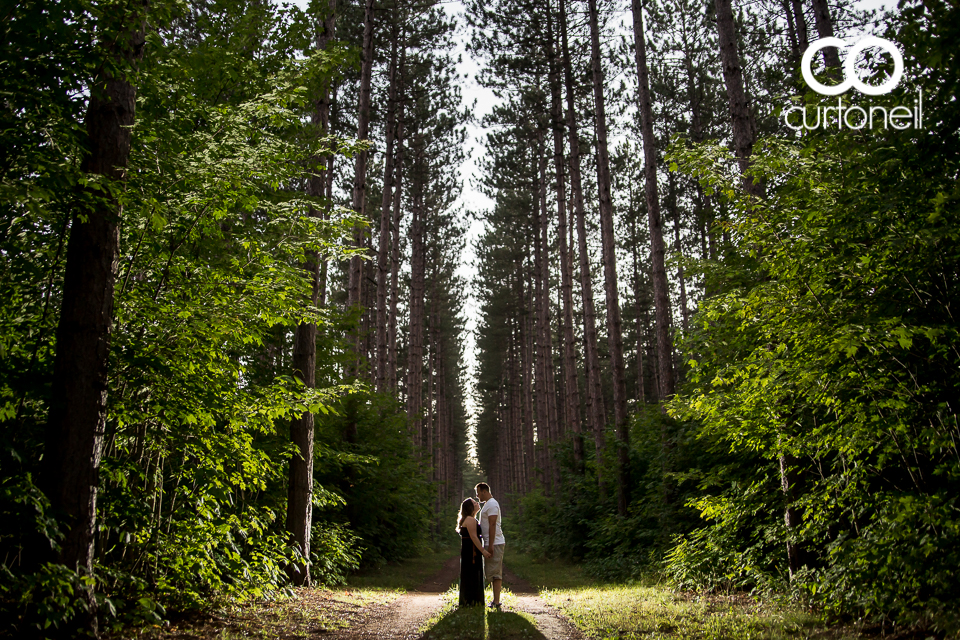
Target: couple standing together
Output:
[{"x": 479, "y": 558}]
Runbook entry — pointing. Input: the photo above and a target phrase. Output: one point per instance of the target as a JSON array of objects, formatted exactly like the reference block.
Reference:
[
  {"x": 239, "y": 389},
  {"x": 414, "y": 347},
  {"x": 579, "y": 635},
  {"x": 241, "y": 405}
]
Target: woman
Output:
[{"x": 471, "y": 554}]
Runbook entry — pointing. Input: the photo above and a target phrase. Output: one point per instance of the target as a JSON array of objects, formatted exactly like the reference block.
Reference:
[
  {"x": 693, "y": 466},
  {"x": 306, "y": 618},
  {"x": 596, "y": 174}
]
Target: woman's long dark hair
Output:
[{"x": 466, "y": 510}]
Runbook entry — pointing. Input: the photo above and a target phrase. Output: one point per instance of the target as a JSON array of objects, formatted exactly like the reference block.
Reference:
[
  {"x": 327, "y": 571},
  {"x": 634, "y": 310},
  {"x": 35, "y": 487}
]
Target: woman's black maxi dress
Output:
[{"x": 471, "y": 569}]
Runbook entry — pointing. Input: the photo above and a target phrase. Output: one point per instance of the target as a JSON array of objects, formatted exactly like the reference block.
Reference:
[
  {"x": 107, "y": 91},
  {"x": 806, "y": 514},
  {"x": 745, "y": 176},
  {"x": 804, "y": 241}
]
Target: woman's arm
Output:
[{"x": 471, "y": 525}]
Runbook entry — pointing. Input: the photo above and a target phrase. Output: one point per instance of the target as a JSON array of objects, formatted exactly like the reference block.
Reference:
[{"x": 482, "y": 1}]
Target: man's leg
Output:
[{"x": 495, "y": 574}]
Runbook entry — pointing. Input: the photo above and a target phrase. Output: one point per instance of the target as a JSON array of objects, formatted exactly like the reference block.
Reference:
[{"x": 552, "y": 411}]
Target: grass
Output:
[
  {"x": 307, "y": 613},
  {"x": 651, "y": 611},
  {"x": 404, "y": 575}
]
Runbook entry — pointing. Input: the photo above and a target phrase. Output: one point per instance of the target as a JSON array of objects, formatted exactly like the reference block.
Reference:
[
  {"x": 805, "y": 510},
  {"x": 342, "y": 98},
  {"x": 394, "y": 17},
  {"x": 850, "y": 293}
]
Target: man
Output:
[{"x": 493, "y": 539}]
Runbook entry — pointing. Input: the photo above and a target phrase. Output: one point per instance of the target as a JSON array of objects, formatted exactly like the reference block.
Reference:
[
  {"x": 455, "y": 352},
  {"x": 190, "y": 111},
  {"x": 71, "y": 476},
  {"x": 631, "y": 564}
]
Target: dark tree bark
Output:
[
  {"x": 545, "y": 335},
  {"x": 608, "y": 244},
  {"x": 300, "y": 488},
  {"x": 675, "y": 209},
  {"x": 795, "y": 51},
  {"x": 637, "y": 287},
  {"x": 821, "y": 17},
  {"x": 571, "y": 402},
  {"x": 385, "y": 210},
  {"x": 744, "y": 126},
  {"x": 74, "y": 436},
  {"x": 355, "y": 287},
  {"x": 744, "y": 134},
  {"x": 395, "y": 256},
  {"x": 525, "y": 479},
  {"x": 300, "y": 480},
  {"x": 594, "y": 396},
  {"x": 661, "y": 291},
  {"x": 803, "y": 40},
  {"x": 417, "y": 285}
]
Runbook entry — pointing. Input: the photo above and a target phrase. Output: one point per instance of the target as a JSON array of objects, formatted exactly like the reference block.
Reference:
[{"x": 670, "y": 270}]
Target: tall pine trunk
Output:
[
  {"x": 658, "y": 271},
  {"x": 355, "y": 286},
  {"x": 389, "y": 182},
  {"x": 417, "y": 285},
  {"x": 300, "y": 478},
  {"x": 821, "y": 17},
  {"x": 800, "y": 22},
  {"x": 608, "y": 244},
  {"x": 675, "y": 210},
  {"x": 741, "y": 116},
  {"x": 526, "y": 383},
  {"x": 571, "y": 400},
  {"x": 395, "y": 249},
  {"x": 545, "y": 335},
  {"x": 74, "y": 436},
  {"x": 744, "y": 132},
  {"x": 594, "y": 395}
]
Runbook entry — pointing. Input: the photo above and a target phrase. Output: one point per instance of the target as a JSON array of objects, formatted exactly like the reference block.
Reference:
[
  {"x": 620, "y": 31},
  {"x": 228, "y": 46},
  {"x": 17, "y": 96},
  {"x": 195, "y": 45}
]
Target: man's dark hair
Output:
[{"x": 482, "y": 486}]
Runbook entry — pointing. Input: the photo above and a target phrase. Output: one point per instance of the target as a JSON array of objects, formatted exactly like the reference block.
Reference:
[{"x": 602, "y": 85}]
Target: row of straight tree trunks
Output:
[
  {"x": 566, "y": 377},
  {"x": 416, "y": 359},
  {"x": 593, "y": 359}
]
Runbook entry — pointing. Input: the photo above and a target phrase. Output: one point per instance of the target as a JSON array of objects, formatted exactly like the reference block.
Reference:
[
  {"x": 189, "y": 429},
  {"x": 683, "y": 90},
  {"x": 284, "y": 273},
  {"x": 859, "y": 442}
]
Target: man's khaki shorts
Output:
[{"x": 493, "y": 566}]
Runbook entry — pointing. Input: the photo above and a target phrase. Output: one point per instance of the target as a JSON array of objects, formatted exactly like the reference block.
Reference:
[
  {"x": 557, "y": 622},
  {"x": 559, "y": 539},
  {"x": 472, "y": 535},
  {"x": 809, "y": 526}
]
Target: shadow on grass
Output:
[
  {"x": 511, "y": 626},
  {"x": 475, "y": 623},
  {"x": 468, "y": 623}
]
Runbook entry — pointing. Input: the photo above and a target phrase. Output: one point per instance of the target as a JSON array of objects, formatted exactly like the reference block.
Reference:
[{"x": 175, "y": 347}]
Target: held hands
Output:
[{"x": 486, "y": 554}]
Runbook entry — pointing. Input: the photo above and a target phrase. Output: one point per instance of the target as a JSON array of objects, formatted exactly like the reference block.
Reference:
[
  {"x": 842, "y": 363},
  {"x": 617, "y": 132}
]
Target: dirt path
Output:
[
  {"x": 401, "y": 619},
  {"x": 550, "y": 622}
]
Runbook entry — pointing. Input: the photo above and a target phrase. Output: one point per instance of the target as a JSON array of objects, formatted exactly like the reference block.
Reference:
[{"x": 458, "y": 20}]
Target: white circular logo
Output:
[{"x": 851, "y": 79}]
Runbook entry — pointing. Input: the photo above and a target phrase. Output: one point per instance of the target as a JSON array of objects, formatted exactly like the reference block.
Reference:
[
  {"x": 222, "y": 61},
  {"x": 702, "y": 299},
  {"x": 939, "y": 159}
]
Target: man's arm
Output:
[{"x": 493, "y": 532}]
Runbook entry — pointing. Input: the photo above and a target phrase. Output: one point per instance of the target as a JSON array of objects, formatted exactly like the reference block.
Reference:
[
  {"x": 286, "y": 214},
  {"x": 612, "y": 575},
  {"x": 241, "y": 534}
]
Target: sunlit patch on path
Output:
[{"x": 403, "y": 618}]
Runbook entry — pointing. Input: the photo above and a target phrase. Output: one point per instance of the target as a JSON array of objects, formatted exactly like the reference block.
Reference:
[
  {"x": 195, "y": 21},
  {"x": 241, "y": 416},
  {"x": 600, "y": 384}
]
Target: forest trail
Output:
[
  {"x": 550, "y": 622},
  {"x": 404, "y": 618}
]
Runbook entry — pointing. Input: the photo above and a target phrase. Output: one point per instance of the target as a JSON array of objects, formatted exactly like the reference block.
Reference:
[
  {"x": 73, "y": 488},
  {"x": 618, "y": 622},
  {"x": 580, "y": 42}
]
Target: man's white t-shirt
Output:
[{"x": 491, "y": 508}]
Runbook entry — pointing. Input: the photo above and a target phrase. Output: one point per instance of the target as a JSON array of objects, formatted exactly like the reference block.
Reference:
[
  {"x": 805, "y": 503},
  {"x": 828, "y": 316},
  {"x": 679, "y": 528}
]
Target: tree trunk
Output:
[
  {"x": 641, "y": 383},
  {"x": 821, "y": 16},
  {"x": 535, "y": 315},
  {"x": 548, "y": 384},
  {"x": 571, "y": 389},
  {"x": 675, "y": 209},
  {"x": 608, "y": 244},
  {"x": 417, "y": 266},
  {"x": 300, "y": 480},
  {"x": 527, "y": 459},
  {"x": 791, "y": 516},
  {"x": 594, "y": 396},
  {"x": 803, "y": 40},
  {"x": 744, "y": 126},
  {"x": 395, "y": 250},
  {"x": 329, "y": 175},
  {"x": 300, "y": 488},
  {"x": 74, "y": 436},
  {"x": 355, "y": 287},
  {"x": 385, "y": 213},
  {"x": 661, "y": 291}
]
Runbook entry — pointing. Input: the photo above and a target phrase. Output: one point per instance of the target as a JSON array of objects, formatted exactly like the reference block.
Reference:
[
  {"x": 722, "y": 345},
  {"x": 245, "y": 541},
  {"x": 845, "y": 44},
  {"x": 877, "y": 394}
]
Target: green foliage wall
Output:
[
  {"x": 838, "y": 357},
  {"x": 209, "y": 288},
  {"x": 825, "y": 354}
]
